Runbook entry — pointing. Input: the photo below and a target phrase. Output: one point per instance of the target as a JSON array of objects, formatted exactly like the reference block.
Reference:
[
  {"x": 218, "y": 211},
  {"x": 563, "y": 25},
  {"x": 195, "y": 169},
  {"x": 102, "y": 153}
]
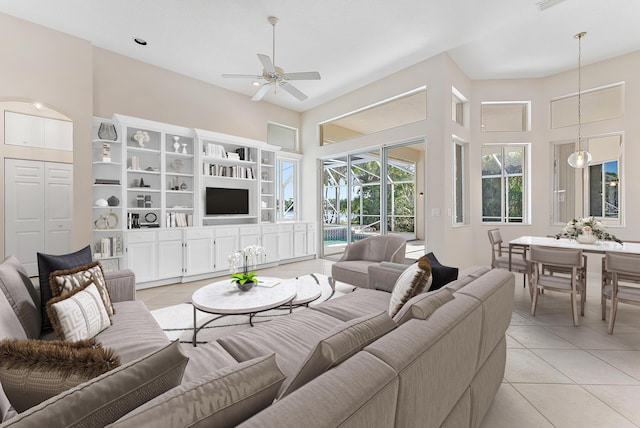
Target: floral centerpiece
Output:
[
  {"x": 241, "y": 261},
  {"x": 587, "y": 230}
]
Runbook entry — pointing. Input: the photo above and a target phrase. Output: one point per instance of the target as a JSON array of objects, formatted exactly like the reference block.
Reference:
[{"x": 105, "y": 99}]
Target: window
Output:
[
  {"x": 283, "y": 136},
  {"x": 596, "y": 104},
  {"x": 504, "y": 183},
  {"x": 459, "y": 181},
  {"x": 287, "y": 196},
  {"x": 604, "y": 190},
  {"x": 511, "y": 116},
  {"x": 458, "y": 106}
]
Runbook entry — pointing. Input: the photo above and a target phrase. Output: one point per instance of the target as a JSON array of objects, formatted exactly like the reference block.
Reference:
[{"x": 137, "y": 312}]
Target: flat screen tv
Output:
[{"x": 223, "y": 201}]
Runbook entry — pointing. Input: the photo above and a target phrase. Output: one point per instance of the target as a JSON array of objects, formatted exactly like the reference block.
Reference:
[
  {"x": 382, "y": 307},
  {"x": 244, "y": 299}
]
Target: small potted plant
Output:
[{"x": 241, "y": 261}]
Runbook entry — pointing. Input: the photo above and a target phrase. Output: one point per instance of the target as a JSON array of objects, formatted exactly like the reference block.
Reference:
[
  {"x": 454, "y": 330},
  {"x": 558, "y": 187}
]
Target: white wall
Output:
[{"x": 469, "y": 245}]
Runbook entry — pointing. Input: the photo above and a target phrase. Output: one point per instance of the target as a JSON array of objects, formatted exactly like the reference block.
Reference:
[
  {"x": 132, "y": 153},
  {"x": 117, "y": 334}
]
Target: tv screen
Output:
[{"x": 220, "y": 201}]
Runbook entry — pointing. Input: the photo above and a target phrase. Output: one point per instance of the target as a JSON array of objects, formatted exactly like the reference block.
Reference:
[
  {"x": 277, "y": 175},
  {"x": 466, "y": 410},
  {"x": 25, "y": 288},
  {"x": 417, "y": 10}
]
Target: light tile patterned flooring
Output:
[{"x": 557, "y": 375}]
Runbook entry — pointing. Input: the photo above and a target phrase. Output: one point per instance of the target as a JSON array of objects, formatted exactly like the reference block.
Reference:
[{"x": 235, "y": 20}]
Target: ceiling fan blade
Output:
[
  {"x": 266, "y": 63},
  {"x": 304, "y": 75},
  {"x": 293, "y": 91},
  {"x": 261, "y": 92},
  {"x": 242, "y": 76}
]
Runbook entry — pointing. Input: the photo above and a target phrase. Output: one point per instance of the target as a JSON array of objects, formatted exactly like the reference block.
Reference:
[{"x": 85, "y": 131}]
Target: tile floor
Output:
[{"x": 557, "y": 375}]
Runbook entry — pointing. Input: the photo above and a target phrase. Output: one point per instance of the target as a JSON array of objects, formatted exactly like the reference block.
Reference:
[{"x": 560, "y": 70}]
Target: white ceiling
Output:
[{"x": 350, "y": 42}]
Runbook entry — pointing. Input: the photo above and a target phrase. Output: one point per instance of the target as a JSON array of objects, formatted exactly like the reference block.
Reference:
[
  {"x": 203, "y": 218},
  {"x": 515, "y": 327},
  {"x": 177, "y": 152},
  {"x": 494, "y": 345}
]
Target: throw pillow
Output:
[
  {"x": 65, "y": 281},
  {"x": 423, "y": 305},
  {"x": 20, "y": 293},
  {"x": 442, "y": 275},
  {"x": 224, "y": 398},
  {"x": 106, "y": 398},
  {"x": 78, "y": 315},
  {"x": 48, "y": 263},
  {"x": 32, "y": 371},
  {"x": 413, "y": 281},
  {"x": 341, "y": 343}
]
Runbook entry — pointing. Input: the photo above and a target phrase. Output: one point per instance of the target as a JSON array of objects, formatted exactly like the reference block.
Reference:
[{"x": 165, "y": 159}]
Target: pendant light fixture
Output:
[{"x": 580, "y": 158}]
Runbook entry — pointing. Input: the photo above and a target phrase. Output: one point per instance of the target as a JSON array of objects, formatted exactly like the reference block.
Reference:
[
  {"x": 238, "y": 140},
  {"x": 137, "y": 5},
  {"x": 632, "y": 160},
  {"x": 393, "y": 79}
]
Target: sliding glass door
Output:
[{"x": 354, "y": 188}]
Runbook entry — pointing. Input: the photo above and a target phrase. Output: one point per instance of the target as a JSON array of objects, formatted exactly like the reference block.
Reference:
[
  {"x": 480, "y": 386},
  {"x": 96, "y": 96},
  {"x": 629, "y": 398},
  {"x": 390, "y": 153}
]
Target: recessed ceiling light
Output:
[
  {"x": 141, "y": 42},
  {"x": 37, "y": 105},
  {"x": 256, "y": 83}
]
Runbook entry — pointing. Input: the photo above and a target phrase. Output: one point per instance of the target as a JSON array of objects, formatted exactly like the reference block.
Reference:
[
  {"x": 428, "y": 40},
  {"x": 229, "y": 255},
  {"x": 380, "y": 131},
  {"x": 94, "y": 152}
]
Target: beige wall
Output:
[{"x": 55, "y": 69}]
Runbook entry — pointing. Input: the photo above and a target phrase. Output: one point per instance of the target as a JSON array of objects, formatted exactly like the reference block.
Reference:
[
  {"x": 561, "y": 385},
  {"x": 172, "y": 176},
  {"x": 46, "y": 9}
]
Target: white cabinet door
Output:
[
  {"x": 58, "y": 207},
  {"x": 285, "y": 241},
  {"x": 169, "y": 259},
  {"x": 141, "y": 258},
  {"x": 311, "y": 239},
  {"x": 270, "y": 245},
  {"x": 23, "y": 129},
  {"x": 199, "y": 256},
  {"x": 299, "y": 240},
  {"x": 58, "y": 134},
  {"x": 225, "y": 245},
  {"x": 24, "y": 211}
]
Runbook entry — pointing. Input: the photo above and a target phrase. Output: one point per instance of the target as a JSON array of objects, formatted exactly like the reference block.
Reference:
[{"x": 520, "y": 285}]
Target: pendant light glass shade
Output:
[{"x": 579, "y": 159}]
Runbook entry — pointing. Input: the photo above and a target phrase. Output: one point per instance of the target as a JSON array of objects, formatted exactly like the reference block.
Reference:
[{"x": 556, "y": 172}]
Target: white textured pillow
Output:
[
  {"x": 65, "y": 281},
  {"x": 78, "y": 315},
  {"x": 413, "y": 281}
]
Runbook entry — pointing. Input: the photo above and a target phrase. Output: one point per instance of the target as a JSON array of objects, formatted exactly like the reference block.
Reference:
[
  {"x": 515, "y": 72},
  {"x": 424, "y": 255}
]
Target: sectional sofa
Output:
[{"x": 342, "y": 363}]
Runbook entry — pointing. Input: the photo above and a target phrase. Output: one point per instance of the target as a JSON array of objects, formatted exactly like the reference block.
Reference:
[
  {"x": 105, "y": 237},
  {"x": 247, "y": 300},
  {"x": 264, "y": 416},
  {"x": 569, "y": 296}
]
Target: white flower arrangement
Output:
[
  {"x": 242, "y": 260},
  {"x": 587, "y": 226}
]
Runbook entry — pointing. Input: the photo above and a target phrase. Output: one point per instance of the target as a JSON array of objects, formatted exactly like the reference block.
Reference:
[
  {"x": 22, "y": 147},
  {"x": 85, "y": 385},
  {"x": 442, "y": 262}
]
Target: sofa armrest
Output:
[
  {"x": 122, "y": 285},
  {"x": 384, "y": 275}
]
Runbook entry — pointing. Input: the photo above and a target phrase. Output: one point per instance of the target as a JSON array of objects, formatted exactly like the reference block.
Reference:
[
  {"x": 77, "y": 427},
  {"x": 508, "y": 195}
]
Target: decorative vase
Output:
[
  {"x": 107, "y": 131},
  {"x": 113, "y": 201},
  {"x": 246, "y": 286},
  {"x": 176, "y": 144},
  {"x": 587, "y": 238},
  {"x": 184, "y": 149}
]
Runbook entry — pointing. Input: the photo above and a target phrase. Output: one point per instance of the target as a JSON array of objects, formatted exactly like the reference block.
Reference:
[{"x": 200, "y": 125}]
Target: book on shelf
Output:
[
  {"x": 215, "y": 170},
  {"x": 107, "y": 181},
  {"x": 174, "y": 219},
  {"x": 110, "y": 246}
]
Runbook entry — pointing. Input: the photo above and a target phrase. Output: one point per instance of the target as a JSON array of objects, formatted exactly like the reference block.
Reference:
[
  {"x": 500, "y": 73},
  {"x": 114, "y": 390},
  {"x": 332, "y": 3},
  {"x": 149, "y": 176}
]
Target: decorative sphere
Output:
[{"x": 102, "y": 203}]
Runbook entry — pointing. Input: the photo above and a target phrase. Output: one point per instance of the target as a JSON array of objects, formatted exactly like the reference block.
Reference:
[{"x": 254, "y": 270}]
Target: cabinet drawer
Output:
[
  {"x": 285, "y": 227},
  {"x": 226, "y": 231},
  {"x": 170, "y": 235},
  {"x": 250, "y": 230},
  {"x": 199, "y": 234},
  {"x": 299, "y": 227},
  {"x": 270, "y": 229},
  {"x": 146, "y": 236}
]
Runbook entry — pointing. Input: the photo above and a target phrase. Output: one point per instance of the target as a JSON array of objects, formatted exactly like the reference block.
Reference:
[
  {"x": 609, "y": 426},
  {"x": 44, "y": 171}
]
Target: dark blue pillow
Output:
[
  {"x": 442, "y": 275},
  {"x": 48, "y": 263}
]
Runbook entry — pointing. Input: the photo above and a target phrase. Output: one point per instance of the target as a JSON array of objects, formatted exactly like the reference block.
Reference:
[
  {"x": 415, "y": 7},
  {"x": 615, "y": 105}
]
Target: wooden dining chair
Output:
[
  {"x": 499, "y": 260},
  {"x": 619, "y": 267},
  {"x": 567, "y": 260}
]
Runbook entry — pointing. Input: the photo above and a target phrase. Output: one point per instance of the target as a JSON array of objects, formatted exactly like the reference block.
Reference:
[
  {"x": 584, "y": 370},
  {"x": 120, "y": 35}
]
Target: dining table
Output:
[{"x": 599, "y": 247}]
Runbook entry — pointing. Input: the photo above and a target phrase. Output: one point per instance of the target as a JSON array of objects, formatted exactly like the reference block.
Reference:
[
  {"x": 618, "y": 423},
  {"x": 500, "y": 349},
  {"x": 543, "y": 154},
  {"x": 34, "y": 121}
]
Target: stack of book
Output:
[
  {"x": 107, "y": 181},
  {"x": 179, "y": 220}
]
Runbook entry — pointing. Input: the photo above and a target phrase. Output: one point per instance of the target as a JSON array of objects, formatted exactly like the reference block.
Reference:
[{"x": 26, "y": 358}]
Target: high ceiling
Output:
[{"x": 350, "y": 42}]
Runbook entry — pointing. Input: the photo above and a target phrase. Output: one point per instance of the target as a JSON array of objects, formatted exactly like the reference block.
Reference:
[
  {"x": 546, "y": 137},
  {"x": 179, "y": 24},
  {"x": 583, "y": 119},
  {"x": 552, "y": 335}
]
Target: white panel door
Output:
[
  {"x": 225, "y": 245},
  {"x": 24, "y": 211},
  {"x": 141, "y": 257},
  {"x": 58, "y": 207},
  {"x": 270, "y": 245},
  {"x": 23, "y": 129},
  {"x": 199, "y": 256},
  {"x": 285, "y": 242},
  {"x": 169, "y": 259},
  {"x": 299, "y": 243},
  {"x": 58, "y": 134}
]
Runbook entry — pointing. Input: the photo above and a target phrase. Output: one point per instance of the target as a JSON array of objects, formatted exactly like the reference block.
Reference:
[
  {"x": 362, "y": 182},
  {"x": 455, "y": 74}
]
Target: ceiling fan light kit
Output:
[{"x": 274, "y": 76}]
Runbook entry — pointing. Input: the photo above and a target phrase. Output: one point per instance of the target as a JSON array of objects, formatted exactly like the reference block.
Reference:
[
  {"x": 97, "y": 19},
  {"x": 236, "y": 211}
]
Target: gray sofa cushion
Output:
[
  {"x": 340, "y": 344},
  {"x": 133, "y": 333},
  {"x": 423, "y": 305},
  {"x": 110, "y": 396},
  {"x": 223, "y": 398},
  {"x": 205, "y": 359},
  {"x": 292, "y": 337},
  {"x": 18, "y": 291},
  {"x": 6, "y": 409},
  {"x": 10, "y": 326},
  {"x": 354, "y": 305}
]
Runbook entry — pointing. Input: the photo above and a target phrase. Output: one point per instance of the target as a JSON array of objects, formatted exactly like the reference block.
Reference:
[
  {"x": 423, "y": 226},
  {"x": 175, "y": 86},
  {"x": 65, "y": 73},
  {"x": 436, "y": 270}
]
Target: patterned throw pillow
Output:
[
  {"x": 32, "y": 371},
  {"x": 413, "y": 281},
  {"x": 65, "y": 281},
  {"x": 78, "y": 315}
]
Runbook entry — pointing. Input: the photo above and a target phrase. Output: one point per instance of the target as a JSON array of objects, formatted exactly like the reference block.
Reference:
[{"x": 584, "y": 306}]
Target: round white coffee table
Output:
[{"x": 223, "y": 298}]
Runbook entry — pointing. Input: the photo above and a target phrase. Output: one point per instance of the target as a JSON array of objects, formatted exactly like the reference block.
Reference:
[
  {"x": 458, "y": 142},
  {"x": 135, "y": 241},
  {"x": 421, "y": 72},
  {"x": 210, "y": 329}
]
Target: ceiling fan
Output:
[{"x": 275, "y": 76}]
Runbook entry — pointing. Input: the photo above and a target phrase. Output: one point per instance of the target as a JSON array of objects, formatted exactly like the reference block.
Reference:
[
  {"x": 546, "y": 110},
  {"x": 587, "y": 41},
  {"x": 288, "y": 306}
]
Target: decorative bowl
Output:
[
  {"x": 587, "y": 238},
  {"x": 246, "y": 286}
]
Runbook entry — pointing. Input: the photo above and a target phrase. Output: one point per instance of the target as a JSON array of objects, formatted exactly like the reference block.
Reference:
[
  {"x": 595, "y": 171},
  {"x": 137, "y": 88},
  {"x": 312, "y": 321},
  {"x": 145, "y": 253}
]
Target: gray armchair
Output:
[{"x": 353, "y": 266}]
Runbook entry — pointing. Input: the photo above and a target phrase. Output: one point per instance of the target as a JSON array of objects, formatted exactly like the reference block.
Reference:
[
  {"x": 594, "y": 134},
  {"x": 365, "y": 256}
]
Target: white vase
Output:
[
  {"x": 587, "y": 238},
  {"x": 176, "y": 144}
]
